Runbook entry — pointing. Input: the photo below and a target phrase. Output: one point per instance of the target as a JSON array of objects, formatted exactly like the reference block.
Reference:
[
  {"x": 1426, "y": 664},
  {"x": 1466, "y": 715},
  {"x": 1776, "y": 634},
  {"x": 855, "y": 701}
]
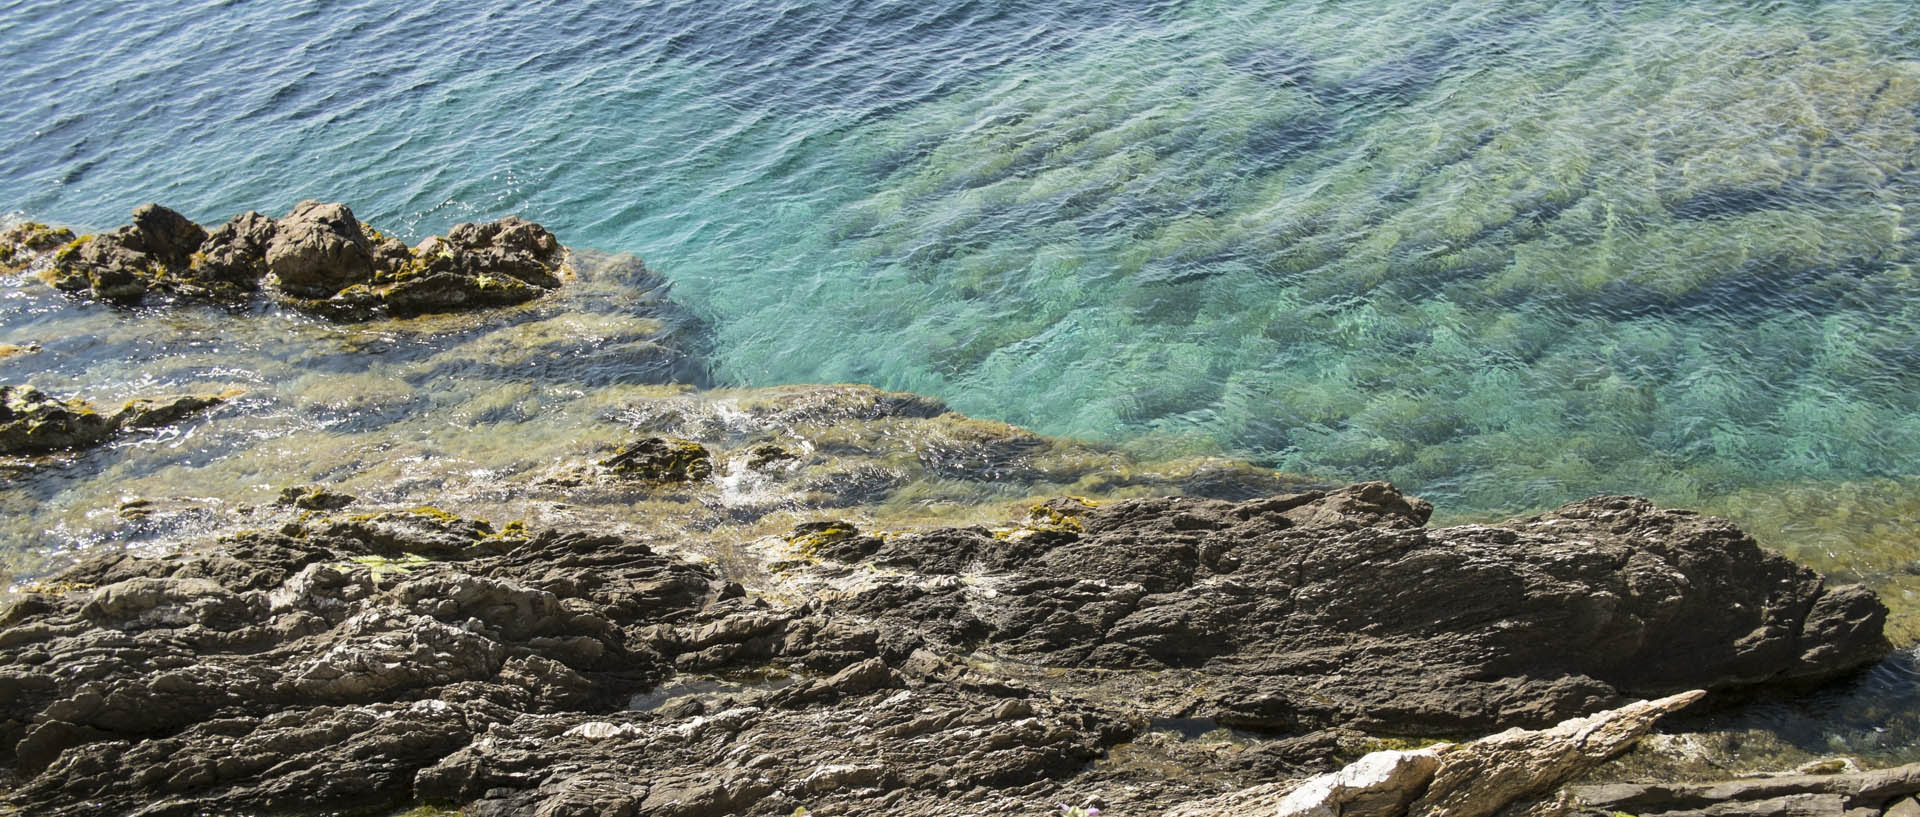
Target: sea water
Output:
[{"x": 1503, "y": 254}]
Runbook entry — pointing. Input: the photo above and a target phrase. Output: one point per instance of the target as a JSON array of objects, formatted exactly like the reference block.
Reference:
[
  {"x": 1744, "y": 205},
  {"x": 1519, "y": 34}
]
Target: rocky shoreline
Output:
[
  {"x": 375, "y": 660},
  {"x": 839, "y": 600},
  {"x": 318, "y": 258}
]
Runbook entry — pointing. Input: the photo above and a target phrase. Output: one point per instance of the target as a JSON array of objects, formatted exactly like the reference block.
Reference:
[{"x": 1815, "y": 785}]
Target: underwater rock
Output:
[
  {"x": 658, "y": 459},
  {"x": 32, "y": 422}
]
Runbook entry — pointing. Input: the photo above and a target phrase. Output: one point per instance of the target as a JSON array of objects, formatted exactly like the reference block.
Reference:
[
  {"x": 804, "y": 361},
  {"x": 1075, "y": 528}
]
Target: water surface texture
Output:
[{"x": 1503, "y": 254}]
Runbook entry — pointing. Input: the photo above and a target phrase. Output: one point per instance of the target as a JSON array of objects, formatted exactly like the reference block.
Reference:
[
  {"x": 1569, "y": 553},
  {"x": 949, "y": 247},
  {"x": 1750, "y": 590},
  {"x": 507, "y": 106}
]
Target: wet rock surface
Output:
[
  {"x": 21, "y": 243},
  {"x": 351, "y": 660},
  {"x": 33, "y": 422},
  {"x": 318, "y": 258}
]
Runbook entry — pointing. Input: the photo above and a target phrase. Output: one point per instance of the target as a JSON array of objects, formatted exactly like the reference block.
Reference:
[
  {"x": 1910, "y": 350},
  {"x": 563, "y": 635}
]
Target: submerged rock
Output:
[
  {"x": 32, "y": 422},
  {"x": 657, "y": 459},
  {"x": 318, "y": 258}
]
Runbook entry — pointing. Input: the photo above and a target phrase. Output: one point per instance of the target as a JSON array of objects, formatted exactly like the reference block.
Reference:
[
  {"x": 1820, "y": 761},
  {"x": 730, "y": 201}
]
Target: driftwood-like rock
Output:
[{"x": 1476, "y": 779}]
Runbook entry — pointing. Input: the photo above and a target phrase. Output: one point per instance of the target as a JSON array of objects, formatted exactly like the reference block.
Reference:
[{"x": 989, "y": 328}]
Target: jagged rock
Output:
[
  {"x": 31, "y": 422},
  {"x": 1480, "y": 778},
  {"x": 1816, "y": 795},
  {"x": 319, "y": 258},
  {"x": 318, "y": 250},
  {"x": 1382, "y": 784},
  {"x": 163, "y": 235},
  {"x": 121, "y": 266},
  {"x": 420, "y": 655},
  {"x": 234, "y": 256},
  {"x": 1338, "y": 609}
]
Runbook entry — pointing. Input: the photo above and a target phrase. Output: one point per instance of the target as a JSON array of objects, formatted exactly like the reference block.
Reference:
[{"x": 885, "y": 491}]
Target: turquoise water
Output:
[{"x": 1504, "y": 254}]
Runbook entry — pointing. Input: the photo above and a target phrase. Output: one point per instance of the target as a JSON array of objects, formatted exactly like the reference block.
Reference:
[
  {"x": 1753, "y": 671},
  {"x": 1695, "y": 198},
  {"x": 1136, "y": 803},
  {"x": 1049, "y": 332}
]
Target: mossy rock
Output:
[
  {"x": 22, "y": 243},
  {"x": 660, "y": 459}
]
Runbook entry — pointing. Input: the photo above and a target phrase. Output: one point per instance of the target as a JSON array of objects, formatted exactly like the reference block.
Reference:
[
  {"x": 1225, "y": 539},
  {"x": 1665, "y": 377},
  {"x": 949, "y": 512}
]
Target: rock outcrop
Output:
[
  {"x": 318, "y": 258},
  {"x": 32, "y": 422},
  {"x": 377, "y": 659},
  {"x": 1339, "y": 609}
]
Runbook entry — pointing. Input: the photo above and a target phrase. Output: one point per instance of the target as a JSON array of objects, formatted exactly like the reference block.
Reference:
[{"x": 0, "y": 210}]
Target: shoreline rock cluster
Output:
[
  {"x": 32, "y": 422},
  {"x": 318, "y": 258},
  {"x": 362, "y": 660}
]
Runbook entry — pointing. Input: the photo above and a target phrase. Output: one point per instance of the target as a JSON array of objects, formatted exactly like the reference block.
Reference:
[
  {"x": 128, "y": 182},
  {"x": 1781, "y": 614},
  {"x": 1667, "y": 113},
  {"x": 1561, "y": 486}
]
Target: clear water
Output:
[{"x": 1503, "y": 254}]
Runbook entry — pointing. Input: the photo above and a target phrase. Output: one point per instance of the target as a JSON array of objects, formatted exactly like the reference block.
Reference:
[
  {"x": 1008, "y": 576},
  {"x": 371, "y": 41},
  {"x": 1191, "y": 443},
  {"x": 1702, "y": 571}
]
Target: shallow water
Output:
[{"x": 1503, "y": 254}]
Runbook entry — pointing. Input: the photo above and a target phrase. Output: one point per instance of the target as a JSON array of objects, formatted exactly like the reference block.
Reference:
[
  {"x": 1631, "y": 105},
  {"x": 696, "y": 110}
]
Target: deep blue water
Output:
[{"x": 1503, "y": 254}]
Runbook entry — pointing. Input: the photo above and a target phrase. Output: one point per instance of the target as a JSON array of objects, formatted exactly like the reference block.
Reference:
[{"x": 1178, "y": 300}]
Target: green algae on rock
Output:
[
  {"x": 318, "y": 258},
  {"x": 32, "y": 422},
  {"x": 22, "y": 244},
  {"x": 658, "y": 459}
]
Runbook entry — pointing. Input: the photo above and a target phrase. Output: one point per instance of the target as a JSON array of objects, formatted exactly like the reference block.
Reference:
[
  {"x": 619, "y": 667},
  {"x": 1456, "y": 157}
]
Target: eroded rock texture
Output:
[
  {"x": 386, "y": 658},
  {"x": 1339, "y": 608}
]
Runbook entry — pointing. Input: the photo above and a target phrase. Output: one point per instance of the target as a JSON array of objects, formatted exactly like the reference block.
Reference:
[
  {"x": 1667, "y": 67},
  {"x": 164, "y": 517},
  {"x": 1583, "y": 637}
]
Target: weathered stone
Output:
[
  {"x": 1480, "y": 778},
  {"x": 164, "y": 236},
  {"x": 314, "y": 498},
  {"x": 415, "y": 654},
  {"x": 233, "y": 259},
  {"x": 121, "y": 266},
  {"x": 1381, "y": 784},
  {"x": 1337, "y": 609},
  {"x": 31, "y": 422},
  {"x": 1483, "y": 777},
  {"x": 318, "y": 250}
]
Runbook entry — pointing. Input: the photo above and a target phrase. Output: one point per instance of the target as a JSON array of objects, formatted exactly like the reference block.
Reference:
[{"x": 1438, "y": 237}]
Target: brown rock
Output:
[{"x": 318, "y": 250}]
